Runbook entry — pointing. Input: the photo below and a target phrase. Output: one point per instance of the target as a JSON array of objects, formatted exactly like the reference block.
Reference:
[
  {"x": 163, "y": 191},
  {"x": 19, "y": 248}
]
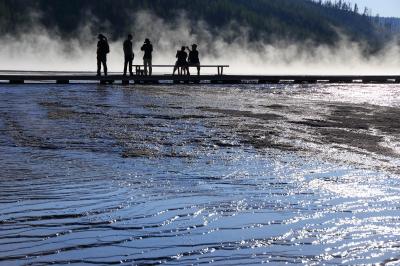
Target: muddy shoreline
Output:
[{"x": 164, "y": 122}]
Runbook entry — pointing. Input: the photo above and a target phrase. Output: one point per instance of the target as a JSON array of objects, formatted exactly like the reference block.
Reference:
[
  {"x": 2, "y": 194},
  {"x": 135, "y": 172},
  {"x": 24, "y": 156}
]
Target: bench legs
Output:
[{"x": 220, "y": 70}]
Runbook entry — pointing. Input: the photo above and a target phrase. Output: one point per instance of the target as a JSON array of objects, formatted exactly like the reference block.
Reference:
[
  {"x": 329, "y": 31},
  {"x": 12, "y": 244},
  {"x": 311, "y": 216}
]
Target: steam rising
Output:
[{"x": 41, "y": 49}]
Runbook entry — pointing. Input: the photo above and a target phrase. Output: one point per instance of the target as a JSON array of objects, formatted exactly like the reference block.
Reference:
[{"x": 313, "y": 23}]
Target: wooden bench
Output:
[{"x": 139, "y": 69}]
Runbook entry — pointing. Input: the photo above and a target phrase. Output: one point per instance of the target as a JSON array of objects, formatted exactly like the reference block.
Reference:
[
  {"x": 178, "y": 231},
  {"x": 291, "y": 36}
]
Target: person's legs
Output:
[
  {"x": 98, "y": 66},
  {"x": 125, "y": 65},
  {"x": 198, "y": 69},
  {"x": 175, "y": 69},
  {"x": 150, "y": 67},
  {"x": 105, "y": 66},
  {"x": 145, "y": 63},
  {"x": 130, "y": 66}
]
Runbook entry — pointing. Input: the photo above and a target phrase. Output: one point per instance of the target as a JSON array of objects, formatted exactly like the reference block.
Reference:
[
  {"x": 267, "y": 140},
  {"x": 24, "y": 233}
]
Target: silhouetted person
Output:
[
  {"x": 181, "y": 62},
  {"x": 129, "y": 55},
  {"x": 194, "y": 58},
  {"x": 102, "y": 50},
  {"x": 147, "y": 58}
]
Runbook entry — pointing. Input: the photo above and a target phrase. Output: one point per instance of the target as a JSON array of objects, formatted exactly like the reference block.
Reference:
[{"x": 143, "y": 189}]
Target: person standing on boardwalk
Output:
[
  {"x": 194, "y": 58},
  {"x": 129, "y": 55},
  {"x": 102, "y": 50},
  {"x": 147, "y": 58}
]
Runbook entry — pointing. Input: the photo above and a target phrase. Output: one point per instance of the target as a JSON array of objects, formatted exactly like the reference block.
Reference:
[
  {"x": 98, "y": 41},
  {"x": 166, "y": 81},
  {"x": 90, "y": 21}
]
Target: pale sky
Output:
[{"x": 385, "y": 8}]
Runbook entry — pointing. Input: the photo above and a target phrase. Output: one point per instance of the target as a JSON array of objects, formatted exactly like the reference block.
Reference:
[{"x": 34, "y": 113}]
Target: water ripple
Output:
[{"x": 232, "y": 175}]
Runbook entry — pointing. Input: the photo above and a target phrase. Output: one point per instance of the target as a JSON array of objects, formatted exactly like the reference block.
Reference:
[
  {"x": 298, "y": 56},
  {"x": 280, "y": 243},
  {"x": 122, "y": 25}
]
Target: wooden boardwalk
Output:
[{"x": 69, "y": 77}]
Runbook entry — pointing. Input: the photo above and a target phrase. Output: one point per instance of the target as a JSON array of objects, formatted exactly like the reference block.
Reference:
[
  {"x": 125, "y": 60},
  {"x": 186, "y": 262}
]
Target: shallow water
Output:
[{"x": 232, "y": 175}]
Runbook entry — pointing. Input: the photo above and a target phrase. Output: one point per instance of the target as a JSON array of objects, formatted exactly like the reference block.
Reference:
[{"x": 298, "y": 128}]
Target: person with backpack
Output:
[
  {"x": 102, "y": 50},
  {"x": 147, "y": 48},
  {"x": 129, "y": 55}
]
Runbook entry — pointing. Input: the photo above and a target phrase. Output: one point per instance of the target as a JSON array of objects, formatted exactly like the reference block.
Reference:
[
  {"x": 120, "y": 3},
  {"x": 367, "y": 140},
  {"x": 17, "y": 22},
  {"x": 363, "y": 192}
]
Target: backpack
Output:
[{"x": 107, "y": 48}]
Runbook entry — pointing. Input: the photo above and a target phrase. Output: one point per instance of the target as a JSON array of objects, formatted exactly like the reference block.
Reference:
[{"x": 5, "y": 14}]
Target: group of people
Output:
[
  {"x": 103, "y": 49},
  {"x": 184, "y": 60}
]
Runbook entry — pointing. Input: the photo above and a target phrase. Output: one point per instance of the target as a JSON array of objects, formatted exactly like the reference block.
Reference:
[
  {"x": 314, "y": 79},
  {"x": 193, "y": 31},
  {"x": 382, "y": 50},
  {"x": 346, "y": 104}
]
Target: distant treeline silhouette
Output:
[{"x": 296, "y": 20}]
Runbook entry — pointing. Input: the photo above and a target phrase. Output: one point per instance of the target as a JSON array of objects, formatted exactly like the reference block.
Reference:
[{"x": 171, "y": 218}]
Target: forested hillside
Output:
[{"x": 268, "y": 19}]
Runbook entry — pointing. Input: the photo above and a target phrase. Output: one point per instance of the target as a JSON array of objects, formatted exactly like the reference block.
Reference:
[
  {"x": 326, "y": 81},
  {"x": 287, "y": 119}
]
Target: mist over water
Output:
[{"x": 40, "y": 49}]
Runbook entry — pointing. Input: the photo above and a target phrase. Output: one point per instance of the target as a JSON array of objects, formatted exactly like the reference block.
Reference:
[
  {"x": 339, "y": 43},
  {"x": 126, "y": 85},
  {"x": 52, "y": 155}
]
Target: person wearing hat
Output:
[
  {"x": 129, "y": 55},
  {"x": 102, "y": 50},
  {"x": 194, "y": 58},
  {"x": 147, "y": 58}
]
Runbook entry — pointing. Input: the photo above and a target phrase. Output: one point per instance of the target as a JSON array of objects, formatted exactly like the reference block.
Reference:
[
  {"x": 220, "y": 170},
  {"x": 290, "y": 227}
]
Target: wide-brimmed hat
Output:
[
  {"x": 101, "y": 36},
  {"x": 147, "y": 41}
]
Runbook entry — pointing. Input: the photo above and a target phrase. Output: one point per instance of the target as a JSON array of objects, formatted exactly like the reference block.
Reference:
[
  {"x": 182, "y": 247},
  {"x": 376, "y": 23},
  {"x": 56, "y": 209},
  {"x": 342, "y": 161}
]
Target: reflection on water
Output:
[{"x": 190, "y": 175}]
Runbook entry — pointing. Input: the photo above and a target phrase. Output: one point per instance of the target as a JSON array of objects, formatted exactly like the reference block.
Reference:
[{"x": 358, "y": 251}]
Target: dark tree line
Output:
[
  {"x": 342, "y": 5},
  {"x": 296, "y": 20}
]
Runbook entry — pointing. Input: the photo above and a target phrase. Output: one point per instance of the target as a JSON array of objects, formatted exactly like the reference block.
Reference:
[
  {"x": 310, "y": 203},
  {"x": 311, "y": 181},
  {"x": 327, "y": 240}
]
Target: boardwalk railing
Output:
[{"x": 220, "y": 68}]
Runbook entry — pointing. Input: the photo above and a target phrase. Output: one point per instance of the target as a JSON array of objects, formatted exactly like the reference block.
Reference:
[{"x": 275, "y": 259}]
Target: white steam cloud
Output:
[{"x": 40, "y": 49}]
